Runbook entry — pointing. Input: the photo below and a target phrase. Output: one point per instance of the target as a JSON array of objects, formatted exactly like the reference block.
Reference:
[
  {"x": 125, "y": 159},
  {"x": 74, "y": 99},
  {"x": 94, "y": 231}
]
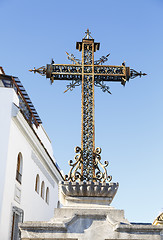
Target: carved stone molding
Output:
[{"x": 87, "y": 193}]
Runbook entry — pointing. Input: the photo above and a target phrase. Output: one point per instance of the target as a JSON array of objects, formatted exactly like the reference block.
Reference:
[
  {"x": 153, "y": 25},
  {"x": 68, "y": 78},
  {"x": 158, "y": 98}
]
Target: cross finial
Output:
[{"x": 88, "y": 34}]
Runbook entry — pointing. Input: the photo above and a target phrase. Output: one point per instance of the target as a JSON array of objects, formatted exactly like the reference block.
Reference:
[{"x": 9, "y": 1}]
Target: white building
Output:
[{"x": 29, "y": 175}]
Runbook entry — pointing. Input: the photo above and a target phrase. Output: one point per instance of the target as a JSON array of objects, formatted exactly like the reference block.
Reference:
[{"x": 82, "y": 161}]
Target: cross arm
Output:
[
  {"x": 60, "y": 71},
  {"x": 115, "y": 73},
  {"x": 70, "y": 72}
]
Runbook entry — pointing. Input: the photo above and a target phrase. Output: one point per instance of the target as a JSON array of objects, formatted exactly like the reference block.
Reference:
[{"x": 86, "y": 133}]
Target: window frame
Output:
[
  {"x": 37, "y": 183},
  {"x": 19, "y": 168},
  {"x": 17, "y": 217},
  {"x": 47, "y": 195},
  {"x": 43, "y": 189}
]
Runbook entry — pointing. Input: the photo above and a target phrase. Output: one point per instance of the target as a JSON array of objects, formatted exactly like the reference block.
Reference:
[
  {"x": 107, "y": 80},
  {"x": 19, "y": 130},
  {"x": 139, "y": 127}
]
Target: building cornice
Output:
[{"x": 1, "y": 69}]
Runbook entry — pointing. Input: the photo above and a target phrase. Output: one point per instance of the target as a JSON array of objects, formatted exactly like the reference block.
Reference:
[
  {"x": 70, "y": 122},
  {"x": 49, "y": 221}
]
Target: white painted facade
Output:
[{"x": 17, "y": 136}]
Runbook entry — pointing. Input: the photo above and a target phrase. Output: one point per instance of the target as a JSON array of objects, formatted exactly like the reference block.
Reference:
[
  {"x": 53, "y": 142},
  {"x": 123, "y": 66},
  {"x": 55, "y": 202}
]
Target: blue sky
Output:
[{"x": 129, "y": 123}]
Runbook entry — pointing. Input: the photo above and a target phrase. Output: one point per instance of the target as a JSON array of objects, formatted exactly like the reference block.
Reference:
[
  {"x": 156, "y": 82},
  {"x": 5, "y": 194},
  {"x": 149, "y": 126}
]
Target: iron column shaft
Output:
[{"x": 87, "y": 109}]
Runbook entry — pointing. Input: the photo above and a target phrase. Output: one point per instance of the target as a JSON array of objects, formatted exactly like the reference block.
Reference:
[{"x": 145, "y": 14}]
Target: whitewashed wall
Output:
[
  {"x": 7, "y": 96},
  {"x": 17, "y": 136}
]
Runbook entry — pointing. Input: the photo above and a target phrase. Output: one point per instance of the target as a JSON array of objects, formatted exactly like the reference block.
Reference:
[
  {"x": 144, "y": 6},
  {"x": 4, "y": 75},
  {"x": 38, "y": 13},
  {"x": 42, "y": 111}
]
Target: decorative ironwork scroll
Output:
[
  {"x": 100, "y": 172},
  {"x": 88, "y": 73}
]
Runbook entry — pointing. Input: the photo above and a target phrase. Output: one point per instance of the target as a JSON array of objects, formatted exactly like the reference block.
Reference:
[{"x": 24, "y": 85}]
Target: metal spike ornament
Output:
[{"x": 88, "y": 73}]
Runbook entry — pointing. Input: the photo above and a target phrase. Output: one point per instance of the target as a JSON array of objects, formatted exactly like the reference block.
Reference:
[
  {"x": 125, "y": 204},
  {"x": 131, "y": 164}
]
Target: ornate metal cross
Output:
[{"x": 88, "y": 73}]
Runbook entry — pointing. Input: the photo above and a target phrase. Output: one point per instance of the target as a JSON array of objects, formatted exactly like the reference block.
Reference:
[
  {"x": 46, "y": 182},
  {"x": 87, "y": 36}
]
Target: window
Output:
[
  {"x": 47, "y": 195},
  {"x": 42, "y": 189},
  {"x": 17, "y": 217},
  {"x": 19, "y": 168},
  {"x": 37, "y": 184}
]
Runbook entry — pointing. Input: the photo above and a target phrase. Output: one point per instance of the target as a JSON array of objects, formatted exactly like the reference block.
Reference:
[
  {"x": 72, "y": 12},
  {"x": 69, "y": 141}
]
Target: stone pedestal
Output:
[
  {"x": 87, "y": 215},
  {"x": 87, "y": 194}
]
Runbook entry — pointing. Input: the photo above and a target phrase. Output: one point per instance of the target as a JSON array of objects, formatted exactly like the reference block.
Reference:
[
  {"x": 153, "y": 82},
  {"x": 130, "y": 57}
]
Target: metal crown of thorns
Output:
[{"x": 88, "y": 73}]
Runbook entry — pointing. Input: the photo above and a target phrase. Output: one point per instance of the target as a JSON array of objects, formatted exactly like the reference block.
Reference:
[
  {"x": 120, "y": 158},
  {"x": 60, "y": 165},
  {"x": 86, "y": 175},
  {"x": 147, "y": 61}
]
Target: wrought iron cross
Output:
[{"x": 88, "y": 73}]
